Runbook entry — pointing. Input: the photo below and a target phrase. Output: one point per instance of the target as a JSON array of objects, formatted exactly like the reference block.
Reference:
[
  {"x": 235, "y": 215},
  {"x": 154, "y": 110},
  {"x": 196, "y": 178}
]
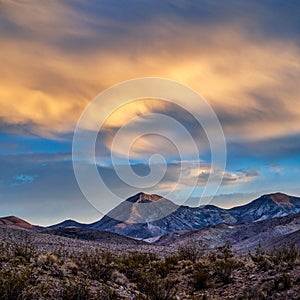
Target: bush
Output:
[
  {"x": 201, "y": 277},
  {"x": 223, "y": 263},
  {"x": 75, "y": 290},
  {"x": 192, "y": 251},
  {"x": 283, "y": 257},
  {"x": 13, "y": 282},
  {"x": 260, "y": 258},
  {"x": 131, "y": 263},
  {"x": 286, "y": 254},
  {"x": 23, "y": 248},
  {"x": 157, "y": 288},
  {"x": 97, "y": 264}
]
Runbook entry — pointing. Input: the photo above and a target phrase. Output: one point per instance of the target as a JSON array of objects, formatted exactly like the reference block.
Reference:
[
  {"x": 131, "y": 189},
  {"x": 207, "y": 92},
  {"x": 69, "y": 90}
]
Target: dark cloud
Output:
[{"x": 268, "y": 150}]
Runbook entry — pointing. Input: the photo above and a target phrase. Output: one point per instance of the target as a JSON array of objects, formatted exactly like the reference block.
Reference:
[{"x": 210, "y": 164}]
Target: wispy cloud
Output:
[
  {"x": 23, "y": 179},
  {"x": 58, "y": 56}
]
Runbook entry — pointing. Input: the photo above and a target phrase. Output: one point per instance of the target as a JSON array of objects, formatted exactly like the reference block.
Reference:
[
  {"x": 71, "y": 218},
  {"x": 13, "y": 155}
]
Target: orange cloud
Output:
[{"x": 251, "y": 82}]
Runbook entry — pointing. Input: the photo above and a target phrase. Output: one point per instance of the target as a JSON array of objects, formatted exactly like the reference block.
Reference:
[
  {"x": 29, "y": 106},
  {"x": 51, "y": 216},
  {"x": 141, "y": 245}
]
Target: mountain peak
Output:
[
  {"x": 144, "y": 198},
  {"x": 15, "y": 222},
  {"x": 279, "y": 198}
]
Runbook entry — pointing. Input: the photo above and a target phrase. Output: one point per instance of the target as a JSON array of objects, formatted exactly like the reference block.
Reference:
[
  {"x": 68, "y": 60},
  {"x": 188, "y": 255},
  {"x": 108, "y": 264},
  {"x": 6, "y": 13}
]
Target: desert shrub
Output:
[
  {"x": 131, "y": 263},
  {"x": 47, "y": 261},
  {"x": 61, "y": 252},
  {"x": 13, "y": 282},
  {"x": 157, "y": 288},
  {"x": 150, "y": 274},
  {"x": 23, "y": 248},
  {"x": 70, "y": 267},
  {"x": 286, "y": 254},
  {"x": 223, "y": 263},
  {"x": 192, "y": 251},
  {"x": 252, "y": 293},
  {"x": 50, "y": 264},
  {"x": 75, "y": 290},
  {"x": 107, "y": 293},
  {"x": 282, "y": 281},
  {"x": 225, "y": 251},
  {"x": 201, "y": 276},
  {"x": 119, "y": 278},
  {"x": 4, "y": 253},
  {"x": 171, "y": 260},
  {"x": 260, "y": 258},
  {"x": 96, "y": 264},
  {"x": 163, "y": 267}
]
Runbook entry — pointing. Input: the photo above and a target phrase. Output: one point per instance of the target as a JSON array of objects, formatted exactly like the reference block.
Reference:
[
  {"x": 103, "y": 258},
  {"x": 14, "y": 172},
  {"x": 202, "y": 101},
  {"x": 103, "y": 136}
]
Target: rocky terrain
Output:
[
  {"x": 36, "y": 265},
  {"x": 77, "y": 239},
  {"x": 94, "y": 235},
  {"x": 243, "y": 237}
]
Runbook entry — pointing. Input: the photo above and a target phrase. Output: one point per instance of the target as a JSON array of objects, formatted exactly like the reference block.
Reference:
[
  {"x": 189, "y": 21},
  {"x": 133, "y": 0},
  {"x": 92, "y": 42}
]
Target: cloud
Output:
[
  {"x": 56, "y": 57},
  {"x": 192, "y": 174},
  {"x": 23, "y": 179},
  {"x": 269, "y": 149},
  {"x": 54, "y": 194},
  {"x": 240, "y": 176}
]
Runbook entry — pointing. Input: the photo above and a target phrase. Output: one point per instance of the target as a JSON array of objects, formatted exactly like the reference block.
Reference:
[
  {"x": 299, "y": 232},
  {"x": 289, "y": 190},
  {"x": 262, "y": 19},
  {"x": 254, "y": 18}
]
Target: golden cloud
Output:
[{"x": 250, "y": 81}]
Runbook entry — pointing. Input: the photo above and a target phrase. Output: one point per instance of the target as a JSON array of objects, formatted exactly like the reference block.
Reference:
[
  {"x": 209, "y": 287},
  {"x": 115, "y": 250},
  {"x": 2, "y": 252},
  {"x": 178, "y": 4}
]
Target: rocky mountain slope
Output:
[
  {"x": 133, "y": 218},
  {"x": 15, "y": 222},
  {"x": 243, "y": 237},
  {"x": 266, "y": 207}
]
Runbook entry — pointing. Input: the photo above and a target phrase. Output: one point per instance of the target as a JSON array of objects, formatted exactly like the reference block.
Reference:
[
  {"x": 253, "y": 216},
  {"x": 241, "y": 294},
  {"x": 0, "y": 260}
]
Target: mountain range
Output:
[
  {"x": 270, "y": 220},
  {"x": 133, "y": 219}
]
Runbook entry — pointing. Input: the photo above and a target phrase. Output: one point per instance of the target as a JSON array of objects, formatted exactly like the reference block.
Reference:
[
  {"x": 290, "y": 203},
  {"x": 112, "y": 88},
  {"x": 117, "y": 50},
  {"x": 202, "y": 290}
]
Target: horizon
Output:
[{"x": 235, "y": 69}]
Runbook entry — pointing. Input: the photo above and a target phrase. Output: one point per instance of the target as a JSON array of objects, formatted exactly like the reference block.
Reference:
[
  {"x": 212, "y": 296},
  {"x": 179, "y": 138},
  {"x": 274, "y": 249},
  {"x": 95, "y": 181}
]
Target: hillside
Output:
[
  {"x": 15, "y": 222},
  {"x": 94, "y": 235},
  {"x": 243, "y": 237}
]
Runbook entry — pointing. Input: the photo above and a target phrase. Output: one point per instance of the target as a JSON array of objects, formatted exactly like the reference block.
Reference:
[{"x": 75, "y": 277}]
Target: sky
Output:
[{"x": 243, "y": 57}]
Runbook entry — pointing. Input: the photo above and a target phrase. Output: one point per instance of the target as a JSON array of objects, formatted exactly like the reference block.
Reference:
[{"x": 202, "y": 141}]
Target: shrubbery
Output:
[
  {"x": 28, "y": 273},
  {"x": 281, "y": 258}
]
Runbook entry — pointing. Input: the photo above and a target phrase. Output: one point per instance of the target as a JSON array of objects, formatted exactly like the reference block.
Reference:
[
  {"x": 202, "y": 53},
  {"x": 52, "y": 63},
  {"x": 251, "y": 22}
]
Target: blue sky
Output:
[{"x": 55, "y": 57}]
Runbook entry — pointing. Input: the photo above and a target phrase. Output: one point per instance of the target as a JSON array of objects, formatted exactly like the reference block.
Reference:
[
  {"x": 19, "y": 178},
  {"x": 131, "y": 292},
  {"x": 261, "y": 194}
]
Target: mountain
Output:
[
  {"x": 69, "y": 224},
  {"x": 135, "y": 217},
  {"x": 243, "y": 237},
  {"x": 161, "y": 216},
  {"x": 189, "y": 218},
  {"x": 266, "y": 207},
  {"x": 16, "y": 222}
]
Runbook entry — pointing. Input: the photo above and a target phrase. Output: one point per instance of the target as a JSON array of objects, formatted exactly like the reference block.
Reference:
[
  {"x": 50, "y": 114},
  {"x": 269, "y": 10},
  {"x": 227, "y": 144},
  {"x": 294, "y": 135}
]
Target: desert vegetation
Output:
[{"x": 189, "y": 272}]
